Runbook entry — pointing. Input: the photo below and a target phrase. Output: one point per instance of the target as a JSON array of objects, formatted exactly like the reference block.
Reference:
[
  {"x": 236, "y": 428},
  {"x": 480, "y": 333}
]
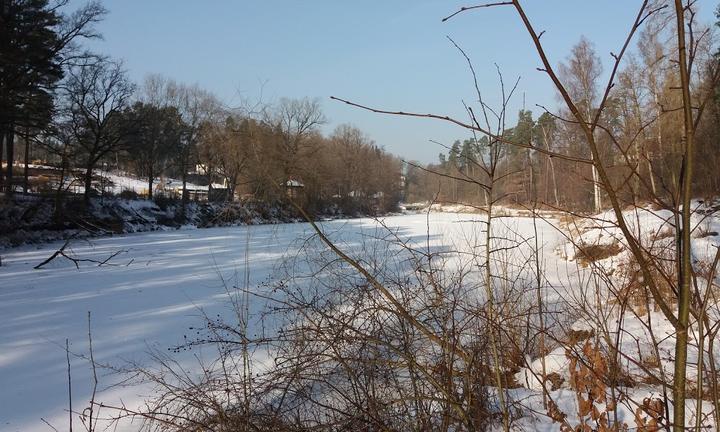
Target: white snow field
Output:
[
  {"x": 156, "y": 290},
  {"x": 162, "y": 283}
]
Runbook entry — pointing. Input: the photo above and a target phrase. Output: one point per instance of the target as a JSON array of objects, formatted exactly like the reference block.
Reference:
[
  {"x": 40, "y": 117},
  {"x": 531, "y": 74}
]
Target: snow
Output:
[
  {"x": 645, "y": 339},
  {"x": 148, "y": 300},
  {"x": 116, "y": 182},
  {"x": 162, "y": 283},
  {"x": 294, "y": 183},
  {"x": 652, "y": 227},
  {"x": 121, "y": 182}
]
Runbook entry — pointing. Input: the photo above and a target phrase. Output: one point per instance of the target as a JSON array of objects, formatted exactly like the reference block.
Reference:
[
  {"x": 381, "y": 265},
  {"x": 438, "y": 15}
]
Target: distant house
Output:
[
  {"x": 199, "y": 169},
  {"x": 293, "y": 188}
]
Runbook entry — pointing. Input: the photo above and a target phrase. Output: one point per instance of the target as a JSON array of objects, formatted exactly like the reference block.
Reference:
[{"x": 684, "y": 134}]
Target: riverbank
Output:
[{"x": 32, "y": 220}]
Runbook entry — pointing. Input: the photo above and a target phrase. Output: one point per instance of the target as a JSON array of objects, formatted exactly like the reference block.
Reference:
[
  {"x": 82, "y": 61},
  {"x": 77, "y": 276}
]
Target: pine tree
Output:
[
  {"x": 29, "y": 68},
  {"x": 519, "y": 158},
  {"x": 36, "y": 41}
]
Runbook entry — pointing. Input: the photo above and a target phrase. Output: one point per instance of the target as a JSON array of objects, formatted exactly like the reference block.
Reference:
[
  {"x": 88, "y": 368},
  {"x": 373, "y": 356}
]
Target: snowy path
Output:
[{"x": 152, "y": 301}]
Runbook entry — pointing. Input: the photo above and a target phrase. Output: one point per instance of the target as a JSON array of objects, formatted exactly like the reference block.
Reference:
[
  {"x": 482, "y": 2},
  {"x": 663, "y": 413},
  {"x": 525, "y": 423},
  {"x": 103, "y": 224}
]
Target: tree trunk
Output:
[
  {"x": 2, "y": 158},
  {"x": 10, "y": 149},
  {"x": 552, "y": 168},
  {"x": 231, "y": 191},
  {"x": 532, "y": 187},
  {"x": 652, "y": 178},
  {"x": 659, "y": 141},
  {"x": 151, "y": 177},
  {"x": 88, "y": 183},
  {"x": 209, "y": 183},
  {"x": 554, "y": 180},
  {"x": 184, "y": 193},
  {"x": 59, "y": 214},
  {"x": 685, "y": 276},
  {"x": 27, "y": 162},
  {"x": 597, "y": 203}
]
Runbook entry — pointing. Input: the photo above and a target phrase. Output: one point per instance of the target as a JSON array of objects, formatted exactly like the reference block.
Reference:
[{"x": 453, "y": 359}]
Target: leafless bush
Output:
[{"x": 342, "y": 355}]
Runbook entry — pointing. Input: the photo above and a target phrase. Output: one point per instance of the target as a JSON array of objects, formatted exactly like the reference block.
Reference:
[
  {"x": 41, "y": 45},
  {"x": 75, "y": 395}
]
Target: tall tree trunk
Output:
[
  {"x": 685, "y": 276},
  {"x": 652, "y": 178},
  {"x": 2, "y": 158},
  {"x": 151, "y": 177},
  {"x": 231, "y": 191},
  {"x": 59, "y": 213},
  {"x": 554, "y": 180},
  {"x": 88, "y": 182},
  {"x": 638, "y": 150},
  {"x": 27, "y": 161},
  {"x": 597, "y": 200},
  {"x": 532, "y": 187},
  {"x": 659, "y": 139},
  {"x": 208, "y": 170},
  {"x": 184, "y": 193},
  {"x": 552, "y": 167},
  {"x": 10, "y": 149}
]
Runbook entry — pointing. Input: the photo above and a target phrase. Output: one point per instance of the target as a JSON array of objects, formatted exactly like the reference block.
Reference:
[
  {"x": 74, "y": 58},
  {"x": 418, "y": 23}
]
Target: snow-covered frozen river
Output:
[{"x": 161, "y": 284}]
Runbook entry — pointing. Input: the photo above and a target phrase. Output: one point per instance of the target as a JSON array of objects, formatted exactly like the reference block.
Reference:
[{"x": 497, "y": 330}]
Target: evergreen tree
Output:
[
  {"x": 442, "y": 159},
  {"x": 29, "y": 68},
  {"x": 519, "y": 159},
  {"x": 454, "y": 155},
  {"x": 36, "y": 41}
]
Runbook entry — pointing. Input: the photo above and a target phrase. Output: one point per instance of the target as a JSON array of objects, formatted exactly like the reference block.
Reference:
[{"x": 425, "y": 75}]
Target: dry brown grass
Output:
[
  {"x": 701, "y": 233},
  {"x": 663, "y": 234},
  {"x": 576, "y": 336},
  {"x": 635, "y": 294},
  {"x": 588, "y": 254}
]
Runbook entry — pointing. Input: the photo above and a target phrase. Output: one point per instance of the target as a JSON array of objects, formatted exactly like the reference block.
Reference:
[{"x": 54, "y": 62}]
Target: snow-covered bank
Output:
[
  {"x": 30, "y": 220},
  {"x": 615, "y": 311}
]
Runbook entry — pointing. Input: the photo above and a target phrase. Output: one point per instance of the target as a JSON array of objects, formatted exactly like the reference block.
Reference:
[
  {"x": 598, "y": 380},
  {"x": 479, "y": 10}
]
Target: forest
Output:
[
  {"x": 639, "y": 136},
  {"x": 69, "y": 115}
]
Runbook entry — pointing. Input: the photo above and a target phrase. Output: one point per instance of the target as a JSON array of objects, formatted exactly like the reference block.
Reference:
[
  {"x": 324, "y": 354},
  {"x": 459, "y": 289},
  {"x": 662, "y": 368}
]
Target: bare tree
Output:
[
  {"x": 196, "y": 106},
  {"x": 95, "y": 94},
  {"x": 151, "y": 134},
  {"x": 228, "y": 146},
  {"x": 580, "y": 77},
  {"x": 296, "y": 120}
]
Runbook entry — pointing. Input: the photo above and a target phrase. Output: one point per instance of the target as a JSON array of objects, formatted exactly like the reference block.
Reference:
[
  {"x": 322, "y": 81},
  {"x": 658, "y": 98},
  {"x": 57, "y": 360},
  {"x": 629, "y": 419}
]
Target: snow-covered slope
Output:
[{"x": 614, "y": 309}]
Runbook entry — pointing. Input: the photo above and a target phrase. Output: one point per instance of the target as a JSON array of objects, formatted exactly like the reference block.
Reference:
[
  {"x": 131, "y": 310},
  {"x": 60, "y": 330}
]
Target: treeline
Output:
[
  {"x": 78, "y": 111},
  {"x": 639, "y": 136}
]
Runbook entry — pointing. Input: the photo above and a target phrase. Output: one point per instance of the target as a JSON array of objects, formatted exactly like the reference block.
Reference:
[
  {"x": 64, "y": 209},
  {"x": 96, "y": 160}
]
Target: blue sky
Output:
[{"x": 389, "y": 54}]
